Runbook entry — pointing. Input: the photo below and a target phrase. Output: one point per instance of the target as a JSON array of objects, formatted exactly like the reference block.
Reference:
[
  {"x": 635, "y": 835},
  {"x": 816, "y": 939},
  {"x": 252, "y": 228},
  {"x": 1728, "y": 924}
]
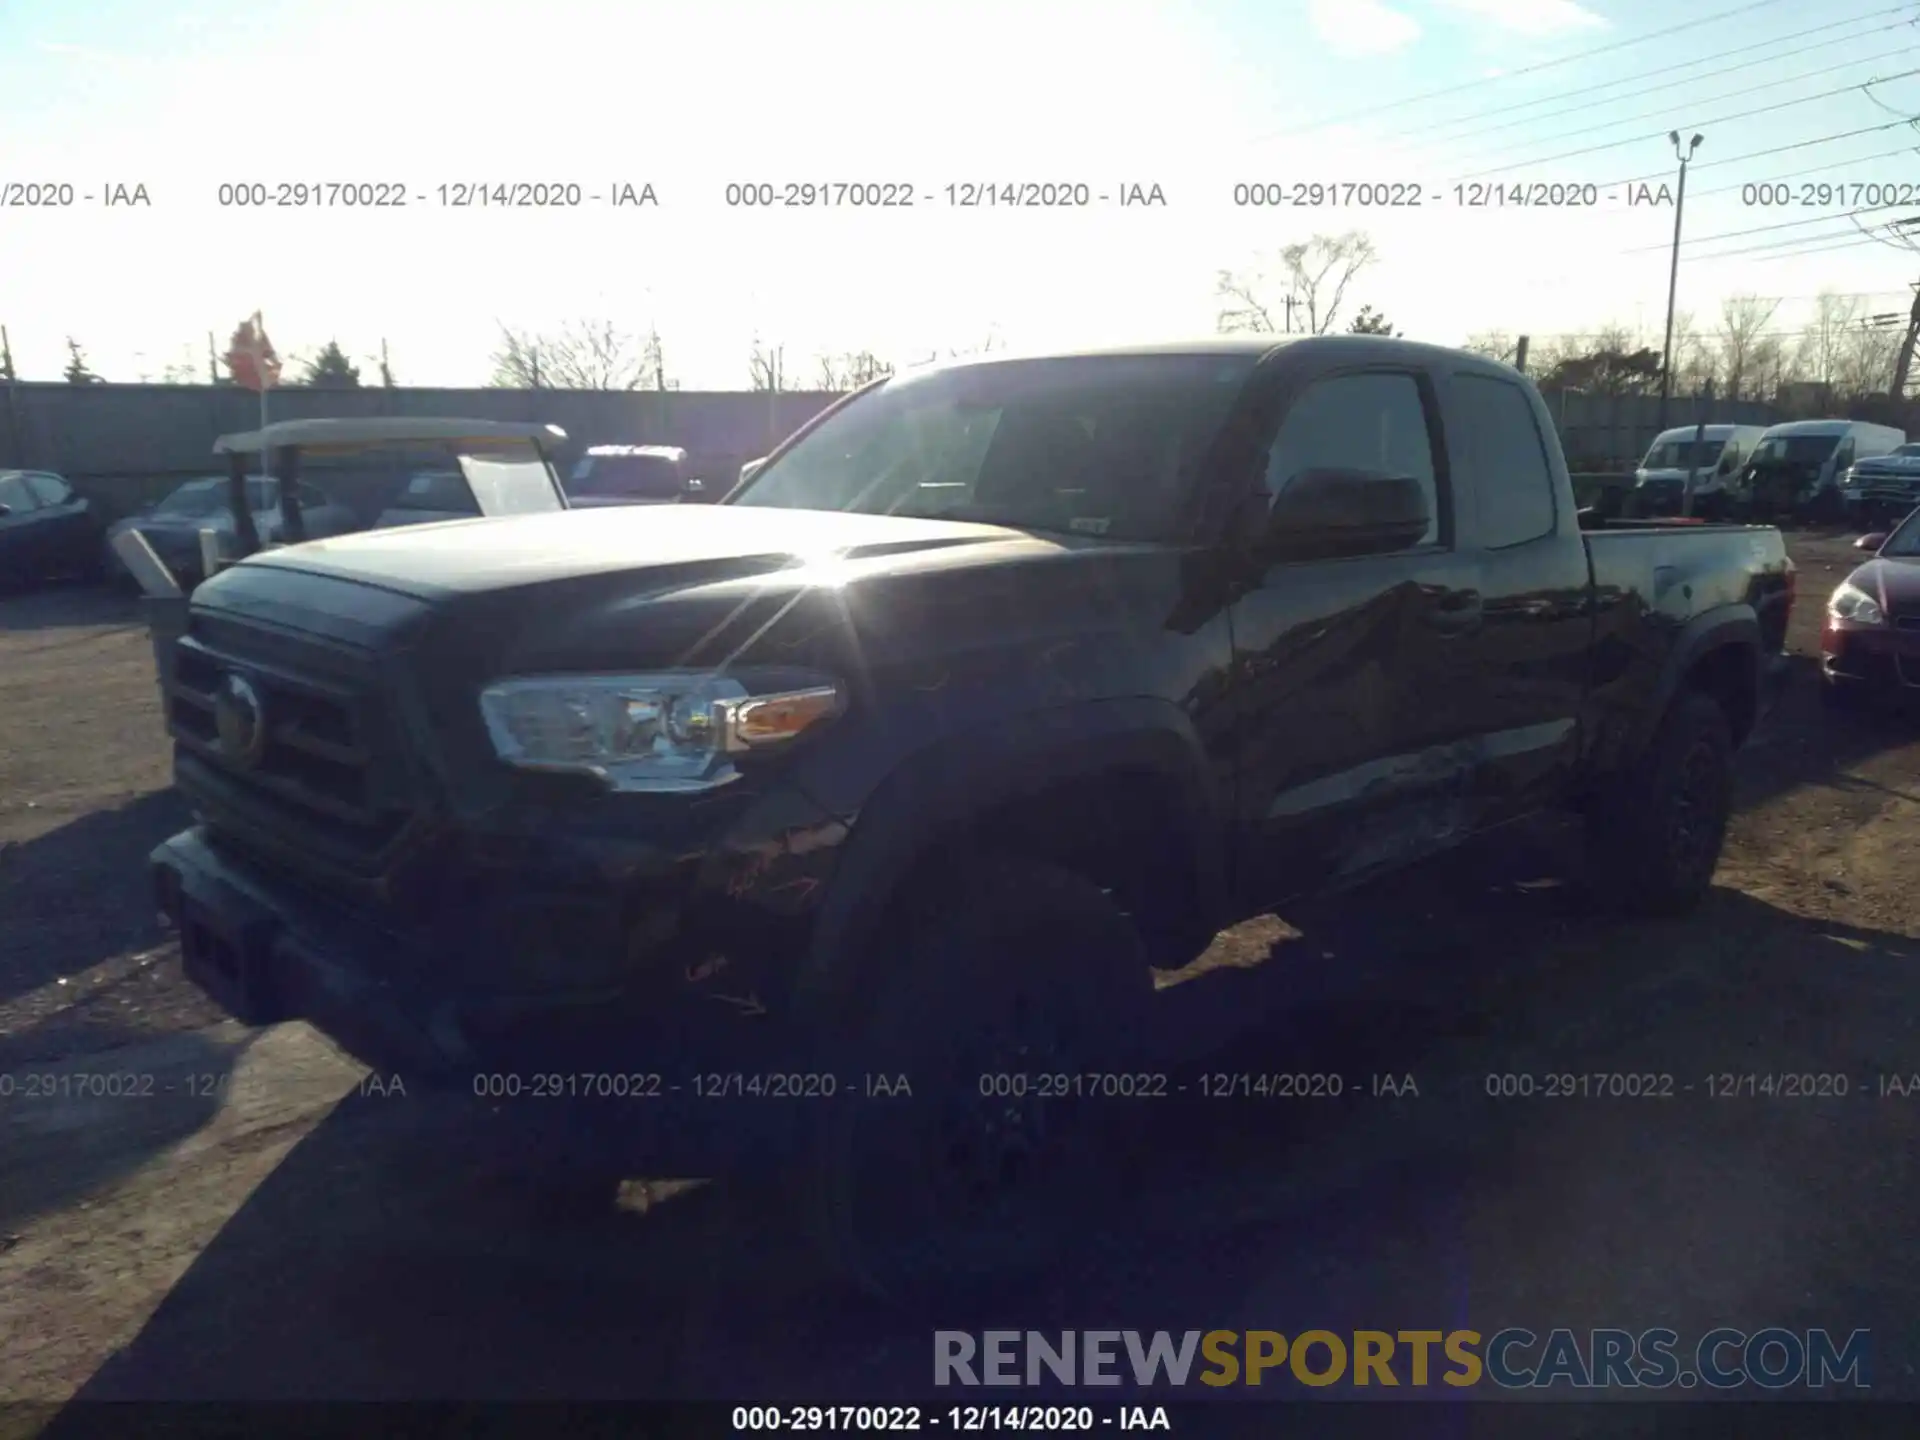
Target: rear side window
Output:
[
  {"x": 1374, "y": 422},
  {"x": 1500, "y": 448},
  {"x": 50, "y": 489}
]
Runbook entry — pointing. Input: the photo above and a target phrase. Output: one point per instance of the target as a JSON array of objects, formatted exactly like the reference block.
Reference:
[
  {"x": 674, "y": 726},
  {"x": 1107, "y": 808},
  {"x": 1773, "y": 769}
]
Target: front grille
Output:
[{"x": 329, "y": 780}]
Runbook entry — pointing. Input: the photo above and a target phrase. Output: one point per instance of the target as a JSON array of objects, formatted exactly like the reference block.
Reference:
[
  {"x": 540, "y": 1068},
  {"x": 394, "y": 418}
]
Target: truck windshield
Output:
[
  {"x": 1095, "y": 445},
  {"x": 1795, "y": 450},
  {"x": 1684, "y": 455}
]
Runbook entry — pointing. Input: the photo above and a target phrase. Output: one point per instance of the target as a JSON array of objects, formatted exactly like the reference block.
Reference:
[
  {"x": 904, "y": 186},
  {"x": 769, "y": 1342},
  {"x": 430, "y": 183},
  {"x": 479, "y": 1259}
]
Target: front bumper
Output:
[
  {"x": 1881, "y": 656},
  {"x": 623, "y": 1076}
]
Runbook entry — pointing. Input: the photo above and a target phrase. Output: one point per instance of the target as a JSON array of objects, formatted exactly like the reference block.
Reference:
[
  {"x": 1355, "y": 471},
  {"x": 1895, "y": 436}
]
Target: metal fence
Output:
[{"x": 124, "y": 444}]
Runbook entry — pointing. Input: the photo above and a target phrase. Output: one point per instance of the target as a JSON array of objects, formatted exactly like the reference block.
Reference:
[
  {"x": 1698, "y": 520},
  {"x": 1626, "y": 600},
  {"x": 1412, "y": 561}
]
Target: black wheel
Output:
[
  {"x": 1654, "y": 839},
  {"x": 1021, "y": 978}
]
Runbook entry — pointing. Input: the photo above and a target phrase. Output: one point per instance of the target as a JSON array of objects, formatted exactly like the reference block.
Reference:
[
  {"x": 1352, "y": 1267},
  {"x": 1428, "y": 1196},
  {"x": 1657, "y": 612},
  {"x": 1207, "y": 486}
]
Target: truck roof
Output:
[
  {"x": 1709, "y": 432},
  {"x": 382, "y": 430},
  {"x": 1224, "y": 347},
  {"x": 1823, "y": 427}
]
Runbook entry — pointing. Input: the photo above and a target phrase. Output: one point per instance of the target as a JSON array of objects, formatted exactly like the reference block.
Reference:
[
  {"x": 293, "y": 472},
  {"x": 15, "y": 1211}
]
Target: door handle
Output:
[{"x": 1459, "y": 611}]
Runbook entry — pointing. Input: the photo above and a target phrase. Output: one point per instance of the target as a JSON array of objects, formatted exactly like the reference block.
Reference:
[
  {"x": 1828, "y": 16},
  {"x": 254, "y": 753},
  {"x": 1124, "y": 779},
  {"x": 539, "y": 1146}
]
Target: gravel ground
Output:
[{"x": 256, "y": 1226}]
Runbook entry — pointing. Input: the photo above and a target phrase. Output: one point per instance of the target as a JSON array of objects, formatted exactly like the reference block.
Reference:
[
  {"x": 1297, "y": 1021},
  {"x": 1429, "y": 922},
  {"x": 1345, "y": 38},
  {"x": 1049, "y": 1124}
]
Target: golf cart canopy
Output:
[
  {"x": 507, "y": 465},
  {"x": 318, "y": 435}
]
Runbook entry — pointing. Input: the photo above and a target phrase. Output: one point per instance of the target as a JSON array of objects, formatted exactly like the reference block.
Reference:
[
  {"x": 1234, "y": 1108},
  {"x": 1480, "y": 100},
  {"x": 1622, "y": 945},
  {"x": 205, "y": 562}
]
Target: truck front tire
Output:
[
  {"x": 1654, "y": 839},
  {"x": 1011, "y": 995}
]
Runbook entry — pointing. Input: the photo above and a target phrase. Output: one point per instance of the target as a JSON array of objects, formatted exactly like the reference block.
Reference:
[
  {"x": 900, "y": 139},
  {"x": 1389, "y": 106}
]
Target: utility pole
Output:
[
  {"x": 1520, "y": 355},
  {"x": 1905, "y": 362},
  {"x": 1291, "y": 301},
  {"x": 1673, "y": 273},
  {"x": 213, "y": 364}
]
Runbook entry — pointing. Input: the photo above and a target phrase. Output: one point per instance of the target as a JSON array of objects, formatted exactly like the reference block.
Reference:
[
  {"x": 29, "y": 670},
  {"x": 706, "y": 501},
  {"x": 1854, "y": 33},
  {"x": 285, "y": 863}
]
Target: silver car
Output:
[{"x": 172, "y": 527}]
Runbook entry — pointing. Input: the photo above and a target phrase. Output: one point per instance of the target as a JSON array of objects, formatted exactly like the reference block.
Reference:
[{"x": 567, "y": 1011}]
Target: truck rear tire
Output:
[
  {"x": 1020, "y": 971},
  {"x": 1654, "y": 840}
]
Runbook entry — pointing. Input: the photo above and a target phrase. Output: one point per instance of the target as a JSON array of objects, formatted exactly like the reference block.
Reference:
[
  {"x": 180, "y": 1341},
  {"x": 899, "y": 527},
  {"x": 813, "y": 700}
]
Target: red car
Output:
[{"x": 1871, "y": 642}]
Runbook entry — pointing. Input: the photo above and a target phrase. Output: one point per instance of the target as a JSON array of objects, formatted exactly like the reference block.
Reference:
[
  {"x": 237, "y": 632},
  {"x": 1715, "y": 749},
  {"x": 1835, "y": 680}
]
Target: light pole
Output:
[{"x": 1673, "y": 273}]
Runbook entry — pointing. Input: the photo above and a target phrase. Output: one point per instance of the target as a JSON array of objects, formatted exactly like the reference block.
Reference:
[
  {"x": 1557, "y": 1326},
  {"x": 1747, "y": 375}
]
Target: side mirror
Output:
[
  {"x": 5, "y": 511},
  {"x": 1326, "y": 513},
  {"x": 1871, "y": 542}
]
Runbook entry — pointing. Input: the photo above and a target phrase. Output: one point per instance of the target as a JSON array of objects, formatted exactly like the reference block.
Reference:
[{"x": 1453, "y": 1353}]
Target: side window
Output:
[
  {"x": 1845, "y": 456},
  {"x": 1374, "y": 422},
  {"x": 15, "y": 495},
  {"x": 50, "y": 489},
  {"x": 1505, "y": 459}
]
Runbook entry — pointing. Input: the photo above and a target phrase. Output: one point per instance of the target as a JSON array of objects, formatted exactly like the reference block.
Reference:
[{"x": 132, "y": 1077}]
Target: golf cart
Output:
[{"x": 507, "y": 469}]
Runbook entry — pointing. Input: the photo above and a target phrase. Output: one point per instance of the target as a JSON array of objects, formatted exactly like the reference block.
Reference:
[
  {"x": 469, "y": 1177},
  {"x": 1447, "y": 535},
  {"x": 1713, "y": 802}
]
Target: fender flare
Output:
[
  {"x": 939, "y": 788},
  {"x": 1723, "y": 627}
]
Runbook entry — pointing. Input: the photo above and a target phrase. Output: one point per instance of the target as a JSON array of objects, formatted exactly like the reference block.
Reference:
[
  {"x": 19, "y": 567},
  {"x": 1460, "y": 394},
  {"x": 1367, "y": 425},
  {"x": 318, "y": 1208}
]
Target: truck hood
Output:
[
  {"x": 1888, "y": 465},
  {"x": 685, "y": 544}
]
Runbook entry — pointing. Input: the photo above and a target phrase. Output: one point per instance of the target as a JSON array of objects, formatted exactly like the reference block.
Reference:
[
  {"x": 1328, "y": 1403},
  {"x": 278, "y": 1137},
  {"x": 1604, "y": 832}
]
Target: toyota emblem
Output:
[{"x": 240, "y": 721}]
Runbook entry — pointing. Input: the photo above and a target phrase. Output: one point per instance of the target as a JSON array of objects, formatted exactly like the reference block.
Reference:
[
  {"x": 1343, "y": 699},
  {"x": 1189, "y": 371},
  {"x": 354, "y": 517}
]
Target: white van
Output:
[
  {"x": 1796, "y": 467},
  {"x": 1713, "y": 455}
]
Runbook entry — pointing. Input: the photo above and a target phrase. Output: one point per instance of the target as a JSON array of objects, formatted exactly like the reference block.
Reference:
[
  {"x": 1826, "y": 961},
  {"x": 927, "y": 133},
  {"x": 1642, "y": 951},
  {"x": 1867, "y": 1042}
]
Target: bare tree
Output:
[
  {"x": 585, "y": 355},
  {"x": 850, "y": 372},
  {"x": 184, "y": 369},
  {"x": 1864, "y": 359},
  {"x": 1743, "y": 324},
  {"x": 1821, "y": 342},
  {"x": 1313, "y": 273},
  {"x": 1696, "y": 364},
  {"x": 1494, "y": 344},
  {"x": 653, "y": 363},
  {"x": 767, "y": 366}
]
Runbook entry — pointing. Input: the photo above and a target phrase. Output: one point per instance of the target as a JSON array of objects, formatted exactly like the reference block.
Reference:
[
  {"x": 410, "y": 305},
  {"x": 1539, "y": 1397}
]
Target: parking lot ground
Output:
[{"x": 254, "y": 1225}]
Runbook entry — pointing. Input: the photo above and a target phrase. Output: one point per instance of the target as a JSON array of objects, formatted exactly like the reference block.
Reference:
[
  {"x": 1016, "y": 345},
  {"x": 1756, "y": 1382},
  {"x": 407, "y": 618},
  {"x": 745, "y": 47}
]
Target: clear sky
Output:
[{"x": 1191, "y": 95}]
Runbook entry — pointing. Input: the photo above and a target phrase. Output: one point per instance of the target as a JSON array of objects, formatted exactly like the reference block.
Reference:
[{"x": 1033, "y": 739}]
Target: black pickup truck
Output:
[{"x": 814, "y": 814}]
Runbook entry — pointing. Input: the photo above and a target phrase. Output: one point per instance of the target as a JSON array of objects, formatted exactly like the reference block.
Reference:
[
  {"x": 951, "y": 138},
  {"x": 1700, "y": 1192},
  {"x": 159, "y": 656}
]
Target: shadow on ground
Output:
[
  {"x": 373, "y": 1265},
  {"x": 79, "y": 894},
  {"x": 70, "y": 1131}
]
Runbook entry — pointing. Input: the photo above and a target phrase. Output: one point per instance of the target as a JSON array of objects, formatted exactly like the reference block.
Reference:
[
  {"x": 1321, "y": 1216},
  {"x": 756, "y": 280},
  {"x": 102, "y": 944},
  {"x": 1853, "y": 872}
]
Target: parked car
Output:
[
  {"x": 1870, "y": 645},
  {"x": 1881, "y": 489},
  {"x": 173, "y": 525},
  {"x": 1713, "y": 457},
  {"x": 430, "y": 496},
  {"x": 628, "y": 475},
  {"x": 1796, "y": 467},
  {"x": 47, "y": 531},
  {"x": 999, "y": 685}
]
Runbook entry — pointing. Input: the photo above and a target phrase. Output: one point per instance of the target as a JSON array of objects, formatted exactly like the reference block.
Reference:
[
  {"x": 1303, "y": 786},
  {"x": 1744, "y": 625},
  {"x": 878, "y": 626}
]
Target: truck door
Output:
[
  {"x": 1532, "y": 654},
  {"x": 1354, "y": 710}
]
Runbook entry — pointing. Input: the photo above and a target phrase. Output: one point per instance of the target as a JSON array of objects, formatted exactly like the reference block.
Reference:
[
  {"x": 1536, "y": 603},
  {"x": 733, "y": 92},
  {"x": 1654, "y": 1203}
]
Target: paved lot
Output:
[{"x": 255, "y": 1226}]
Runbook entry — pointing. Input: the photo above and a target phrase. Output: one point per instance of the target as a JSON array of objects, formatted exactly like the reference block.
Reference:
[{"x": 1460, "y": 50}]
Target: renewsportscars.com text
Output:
[{"x": 1774, "y": 1358}]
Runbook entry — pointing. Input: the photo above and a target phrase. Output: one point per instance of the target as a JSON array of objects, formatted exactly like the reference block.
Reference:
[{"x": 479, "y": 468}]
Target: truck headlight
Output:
[
  {"x": 1850, "y": 602},
  {"x": 672, "y": 730}
]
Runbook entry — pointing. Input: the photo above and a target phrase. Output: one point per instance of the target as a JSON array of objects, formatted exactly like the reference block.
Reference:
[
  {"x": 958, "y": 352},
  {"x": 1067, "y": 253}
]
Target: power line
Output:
[
  {"x": 1699, "y": 124},
  {"x": 1763, "y": 229},
  {"x": 1777, "y": 253},
  {"x": 1523, "y": 70},
  {"x": 1638, "y": 81},
  {"x": 1761, "y": 154},
  {"x": 1796, "y": 174},
  {"x": 1703, "y": 99}
]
